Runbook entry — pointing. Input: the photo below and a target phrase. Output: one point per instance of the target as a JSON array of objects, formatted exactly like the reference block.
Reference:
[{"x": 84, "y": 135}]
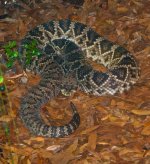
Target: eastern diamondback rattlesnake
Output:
[{"x": 65, "y": 46}]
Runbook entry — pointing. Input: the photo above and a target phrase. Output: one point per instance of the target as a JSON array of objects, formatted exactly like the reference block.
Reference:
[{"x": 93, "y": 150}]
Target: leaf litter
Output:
[{"x": 114, "y": 129}]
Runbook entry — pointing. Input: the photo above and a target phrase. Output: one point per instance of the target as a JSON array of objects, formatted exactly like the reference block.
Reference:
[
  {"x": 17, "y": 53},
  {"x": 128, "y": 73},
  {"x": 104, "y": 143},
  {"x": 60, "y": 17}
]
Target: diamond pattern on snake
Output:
[{"x": 66, "y": 46}]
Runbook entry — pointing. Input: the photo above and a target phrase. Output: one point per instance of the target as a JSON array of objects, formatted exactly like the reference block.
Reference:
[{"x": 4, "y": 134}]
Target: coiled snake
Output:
[{"x": 63, "y": 67}]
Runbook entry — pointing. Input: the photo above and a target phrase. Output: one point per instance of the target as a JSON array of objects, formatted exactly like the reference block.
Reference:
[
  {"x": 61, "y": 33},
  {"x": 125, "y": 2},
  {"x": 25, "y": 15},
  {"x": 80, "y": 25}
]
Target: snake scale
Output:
[{"x": 66, "y": 46}]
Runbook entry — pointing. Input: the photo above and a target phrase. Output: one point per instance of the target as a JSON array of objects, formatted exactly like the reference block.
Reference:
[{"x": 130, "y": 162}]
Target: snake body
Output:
[{"x": 63, "y": 67}]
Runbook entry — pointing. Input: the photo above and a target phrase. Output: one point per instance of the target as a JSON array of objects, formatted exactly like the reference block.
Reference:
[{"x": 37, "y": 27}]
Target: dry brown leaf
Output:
[
  {"x": 101, "y": 108},
  {"x": 84, "y": 161},
  {"x": 130, "y": 154},
  {"x": 15, "y": 158},
  {"x": 83, "y": 147},
  {"x": 110, "y": 21},
  {"x": 107, "y": 156},
  {"x": 141, "y": 112},
  {"x": 21, "y": 150},
  {"x": 130, "y": 27},
  {"x": 6, "y": 118},
  {"x": 43, "y": 153},
  {"x": 66, "y": 155},
  {"x": 2, "y": 36},
  {"x": 138, "y": 3},
  {"x": 92, "y": 141},
  {"x": 136, "y": 123},
  {"x": 146, "y": 130},
  {"x": 89, "y": 130},
  {"x": 38, "y": 139},
  {"x": 54, "y": 148},
  {"x": 22, "y": 28},
  {"x": 122, "y": 9},
  {"x": 103, "y": 143},
  {"x": 118, "y": 121}
]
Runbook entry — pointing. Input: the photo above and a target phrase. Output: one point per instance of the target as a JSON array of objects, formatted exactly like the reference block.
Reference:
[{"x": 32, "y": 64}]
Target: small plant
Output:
[
  {"x": 2, "y": 86},
  {"x": 1, "y": 79},
  {"x": 31, "y": 51},
  {"x": 7, "y": 130},
  {"x": 11, "y": 52}
]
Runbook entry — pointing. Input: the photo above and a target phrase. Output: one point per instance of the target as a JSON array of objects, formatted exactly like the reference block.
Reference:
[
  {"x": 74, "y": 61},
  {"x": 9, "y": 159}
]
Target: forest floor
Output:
[{"x": 113, "y": 129}]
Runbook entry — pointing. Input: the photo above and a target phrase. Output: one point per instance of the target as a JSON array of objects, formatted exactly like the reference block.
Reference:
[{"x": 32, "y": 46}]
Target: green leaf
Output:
[
  {"x": 34, "y": 43},
  {"x": 10, "y": 63},
  {"x": 1, "y": 79},
  {"x": 8, "y": 52},
  {"x": 10, "y": 45},
  {"x": 7, "y": 130},
  {"x": 15, "y": 54},
  {"x": 28, "y": 61}
]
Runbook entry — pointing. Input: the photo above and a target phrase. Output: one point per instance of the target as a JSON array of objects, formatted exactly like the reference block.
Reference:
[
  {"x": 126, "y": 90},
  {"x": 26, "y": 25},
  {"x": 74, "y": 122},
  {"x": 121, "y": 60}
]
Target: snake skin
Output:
[{"x": 63, "y": 68}]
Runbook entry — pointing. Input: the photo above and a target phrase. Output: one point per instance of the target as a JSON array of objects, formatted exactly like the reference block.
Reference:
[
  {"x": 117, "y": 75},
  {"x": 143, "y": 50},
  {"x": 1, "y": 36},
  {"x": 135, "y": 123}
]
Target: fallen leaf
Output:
[
  {"x": 92, "y": 141},
  {"x": 90, "y": 129},
  {"x": 141, "y": 112},
  {"x": 146, "y": 131},
  {"x": 122, "y": 9},
  {"x": 54, "y": 148},
  {"x": 66, "y": 155},
  {"x": 130, "y": 154},
  {"x": 6, "y": 118}
]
